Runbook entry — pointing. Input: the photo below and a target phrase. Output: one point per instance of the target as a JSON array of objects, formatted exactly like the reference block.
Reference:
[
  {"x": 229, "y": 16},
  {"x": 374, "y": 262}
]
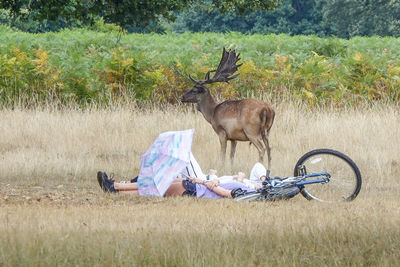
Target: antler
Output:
[{"x": 226, "y": 68}]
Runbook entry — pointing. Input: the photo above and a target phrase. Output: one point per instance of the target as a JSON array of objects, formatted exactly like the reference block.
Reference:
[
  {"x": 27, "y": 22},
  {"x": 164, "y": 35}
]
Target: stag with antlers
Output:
[{"x": 233, "y": 120}]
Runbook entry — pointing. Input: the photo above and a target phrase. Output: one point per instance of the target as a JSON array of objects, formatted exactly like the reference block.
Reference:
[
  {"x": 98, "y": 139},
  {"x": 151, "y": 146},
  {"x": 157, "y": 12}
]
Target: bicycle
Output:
[{"x": 324, "y": 175}]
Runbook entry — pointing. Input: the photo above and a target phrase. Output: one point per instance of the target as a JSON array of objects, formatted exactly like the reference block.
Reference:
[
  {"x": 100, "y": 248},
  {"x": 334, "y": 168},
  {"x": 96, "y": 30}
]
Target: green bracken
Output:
[{"x": 84, "y": 66}]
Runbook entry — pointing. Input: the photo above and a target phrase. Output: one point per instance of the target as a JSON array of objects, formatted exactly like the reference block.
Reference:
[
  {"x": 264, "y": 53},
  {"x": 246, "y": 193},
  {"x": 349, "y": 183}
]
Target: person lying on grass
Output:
[
  {"x": 193, "y": 169},
  {"x": 257, "y": 174},
  {"x": 180, "y": 187}
]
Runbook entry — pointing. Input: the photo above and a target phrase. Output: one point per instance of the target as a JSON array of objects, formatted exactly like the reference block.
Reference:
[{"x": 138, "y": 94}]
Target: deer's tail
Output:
[{"x": 267, "y": 119}]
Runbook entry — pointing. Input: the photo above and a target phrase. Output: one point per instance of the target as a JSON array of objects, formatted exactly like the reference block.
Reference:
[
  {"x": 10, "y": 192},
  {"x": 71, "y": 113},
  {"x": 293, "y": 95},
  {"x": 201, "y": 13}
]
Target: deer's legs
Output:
[
  {"x": 233, "y": 150},
  {"x": 268, "y": 148},
  {"x": 260, "y": 147},
  {"x": 223, "y": 140}
]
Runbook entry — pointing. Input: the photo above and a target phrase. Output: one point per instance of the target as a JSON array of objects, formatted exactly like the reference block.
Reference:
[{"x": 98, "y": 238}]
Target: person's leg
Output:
[
  {"x": 175, "y": 189},
  {"x": 109, "y": 185},
  {"x": 126, "y": 186}
]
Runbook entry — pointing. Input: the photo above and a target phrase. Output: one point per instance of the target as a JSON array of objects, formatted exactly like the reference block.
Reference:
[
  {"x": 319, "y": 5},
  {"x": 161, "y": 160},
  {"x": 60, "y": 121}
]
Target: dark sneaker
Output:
[
  {"x": 134, "y": 180},
  {"x": 108, "y": 184},
  {"x": 237, "y": 192},
  {"x": 109, "y": 178},
  {"x": 100, "y": 179}
]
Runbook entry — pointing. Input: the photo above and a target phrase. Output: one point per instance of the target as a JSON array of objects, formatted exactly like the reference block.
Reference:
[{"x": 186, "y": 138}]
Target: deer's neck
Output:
[{"x": 207, "y": 106}]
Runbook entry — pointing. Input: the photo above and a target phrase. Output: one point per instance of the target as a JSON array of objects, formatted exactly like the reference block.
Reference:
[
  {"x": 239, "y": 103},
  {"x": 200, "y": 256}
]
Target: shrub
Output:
[{"x": 106, "y": 65}]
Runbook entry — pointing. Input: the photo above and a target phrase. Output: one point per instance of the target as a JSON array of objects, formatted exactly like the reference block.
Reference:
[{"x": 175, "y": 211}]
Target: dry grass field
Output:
[{"x": 52, "y": 212}]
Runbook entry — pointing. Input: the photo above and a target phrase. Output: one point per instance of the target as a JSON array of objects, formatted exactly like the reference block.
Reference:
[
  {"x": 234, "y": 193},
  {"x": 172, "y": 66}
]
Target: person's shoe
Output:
[
  {"x": 134, "y": 180},
  {"x": 111, "y": 178},
  {"x": 108, "y": 184},
  {"x": 100, "y": 179},
  {"x": 238, "y": 192}
]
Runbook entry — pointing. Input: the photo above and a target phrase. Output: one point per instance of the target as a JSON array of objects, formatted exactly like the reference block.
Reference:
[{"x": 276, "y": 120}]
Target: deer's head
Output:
[
  {"x": 194, "y": 95},
  {"x": 226, "y": 68}
]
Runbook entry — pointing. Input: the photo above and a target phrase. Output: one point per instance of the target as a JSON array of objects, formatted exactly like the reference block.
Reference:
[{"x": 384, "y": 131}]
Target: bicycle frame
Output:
[
  {"x": 346, "y": 174},
  {"x": 271, "y": 189},
  {"x": 325, "y": 179},
  {"x": 301, "y": 181}
]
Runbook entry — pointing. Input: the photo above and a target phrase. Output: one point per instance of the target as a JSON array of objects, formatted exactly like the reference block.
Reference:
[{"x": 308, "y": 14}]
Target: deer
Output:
[{"x": 234, "y": 120}]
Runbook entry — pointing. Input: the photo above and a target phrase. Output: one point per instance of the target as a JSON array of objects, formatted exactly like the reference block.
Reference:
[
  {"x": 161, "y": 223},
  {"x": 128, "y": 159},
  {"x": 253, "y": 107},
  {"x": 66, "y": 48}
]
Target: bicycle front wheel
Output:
[{"x": 345, "y": 180}]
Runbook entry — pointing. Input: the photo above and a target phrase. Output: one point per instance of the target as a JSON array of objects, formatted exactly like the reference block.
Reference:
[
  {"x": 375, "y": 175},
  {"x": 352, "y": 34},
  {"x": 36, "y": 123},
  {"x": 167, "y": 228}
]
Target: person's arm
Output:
[
  {"x": 213, "y": 183},
  {"x": 221, "y": 191},
  {"x": 197, "y": 180},
  {"x": 209, "y": 184},
  {"x": 213, "y": 186}
]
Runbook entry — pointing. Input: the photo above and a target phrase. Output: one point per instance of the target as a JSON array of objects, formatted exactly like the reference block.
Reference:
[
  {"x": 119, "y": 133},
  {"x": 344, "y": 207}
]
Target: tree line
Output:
[{"x": 341, "y": 18}]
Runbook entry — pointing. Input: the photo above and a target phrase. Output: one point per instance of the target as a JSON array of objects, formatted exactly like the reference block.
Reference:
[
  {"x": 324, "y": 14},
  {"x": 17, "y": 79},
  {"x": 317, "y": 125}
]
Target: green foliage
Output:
[
  {"x": 238, "y": 6},
  {"x": 128, "y": 13},
  {"x": 5, "y": 29},
  {"x": 28, "y": 23},
  {"x": 290, "y": 16},
  {"x": 87, "y": 66},
  {"x": 363, "y": 18},
  {"x": 341, "y": 18},
  {"x": 100, "y": 26}
]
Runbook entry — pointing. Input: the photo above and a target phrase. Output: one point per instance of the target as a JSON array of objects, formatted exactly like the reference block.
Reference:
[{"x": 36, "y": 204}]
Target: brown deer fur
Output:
[{"x": 233, "y": 120}]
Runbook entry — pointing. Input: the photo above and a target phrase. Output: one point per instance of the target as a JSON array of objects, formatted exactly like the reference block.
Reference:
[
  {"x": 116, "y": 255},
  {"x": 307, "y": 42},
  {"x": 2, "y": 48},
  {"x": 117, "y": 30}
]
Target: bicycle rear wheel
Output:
[{"x": 345, "y": 181}]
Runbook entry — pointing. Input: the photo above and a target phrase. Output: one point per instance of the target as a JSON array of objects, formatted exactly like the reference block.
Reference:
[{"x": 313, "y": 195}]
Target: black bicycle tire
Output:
[
  {"x": 336, "y": 153},
  {"x": 282, "y": 193}
]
